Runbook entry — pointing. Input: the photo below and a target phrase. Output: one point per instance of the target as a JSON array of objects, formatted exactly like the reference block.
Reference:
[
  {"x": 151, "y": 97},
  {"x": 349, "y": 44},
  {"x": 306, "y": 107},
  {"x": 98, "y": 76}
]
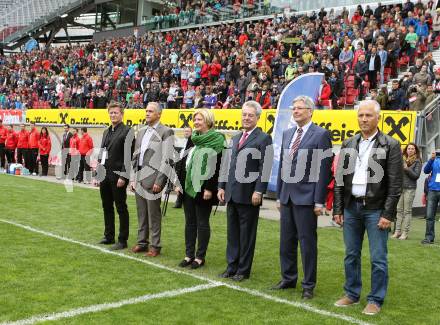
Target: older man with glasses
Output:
[{"x": 304, "y": 173}]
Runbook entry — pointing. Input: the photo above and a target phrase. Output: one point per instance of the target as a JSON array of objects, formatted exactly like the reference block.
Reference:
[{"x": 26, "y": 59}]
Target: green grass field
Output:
[{"x": 41, "y": 274}]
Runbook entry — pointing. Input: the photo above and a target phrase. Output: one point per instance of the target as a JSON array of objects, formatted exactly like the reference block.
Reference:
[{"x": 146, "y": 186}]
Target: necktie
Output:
[
  {"x": 296, "y": 143},
  {"x": 243, "y": 139}
]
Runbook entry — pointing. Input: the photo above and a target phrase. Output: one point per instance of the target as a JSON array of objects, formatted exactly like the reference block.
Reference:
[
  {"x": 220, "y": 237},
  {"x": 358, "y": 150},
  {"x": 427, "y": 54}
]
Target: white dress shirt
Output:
[
  {"x": 359, "y": 187},
  {"x": 248, "y": 134},
  {"x": 146, "y": 141},
  {"x": 304, "y": 128}
]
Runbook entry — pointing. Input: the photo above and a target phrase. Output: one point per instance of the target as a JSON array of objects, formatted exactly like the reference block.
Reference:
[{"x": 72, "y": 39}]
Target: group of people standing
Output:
[
  {"x": 208, "y": 172},
  {"x": 76, "y": 149},
  {"x": 25, "y": 147}
]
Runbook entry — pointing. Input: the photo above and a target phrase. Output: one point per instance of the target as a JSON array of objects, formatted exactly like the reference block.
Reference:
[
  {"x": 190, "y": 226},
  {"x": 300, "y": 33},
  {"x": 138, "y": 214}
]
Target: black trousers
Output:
[
  {"x": 83, "y": 167},
  {"x": 2, "y": 155},
  {"x": 66, "y": 159},
  {"x": 242, "y": 234},
  {"x": 196, "y": 227},
  {"x": 358, "y": 84},
  {"x": 179, "y": 200},
  {"x": 298, "y": 224},
  {"x": 23, "y": 157},
  {"x": 372, "y": 78},
  {"x": 10, "y": 155},
  {"x": 74, "y": 162},
  {"x": 111, "y": 196},
  {"x": 44, "y": 159},
  {"x": 33, "y": 155}
]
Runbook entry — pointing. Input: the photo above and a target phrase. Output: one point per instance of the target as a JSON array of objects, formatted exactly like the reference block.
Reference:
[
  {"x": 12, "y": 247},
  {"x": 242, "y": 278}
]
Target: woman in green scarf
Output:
[{"x": 199, "y": 179}]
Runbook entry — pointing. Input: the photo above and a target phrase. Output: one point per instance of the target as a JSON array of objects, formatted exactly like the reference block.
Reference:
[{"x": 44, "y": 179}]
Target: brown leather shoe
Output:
[
  {"x": 371, "y": 309},
  {"x": 152, "y": 253},
  {"x": 138, "y": 249},
  {"x": 345, "y": 302}
]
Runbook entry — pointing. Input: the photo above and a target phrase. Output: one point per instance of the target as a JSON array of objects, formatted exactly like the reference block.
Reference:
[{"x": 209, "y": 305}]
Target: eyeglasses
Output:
[{"x": 298, "y": 108}]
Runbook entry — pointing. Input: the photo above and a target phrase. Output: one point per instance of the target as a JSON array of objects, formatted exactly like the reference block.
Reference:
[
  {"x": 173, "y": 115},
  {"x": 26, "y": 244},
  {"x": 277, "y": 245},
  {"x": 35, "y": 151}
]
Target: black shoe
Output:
[
  {"x": 307, "y": 294},
  {"x": 186, "y": 263},
  {"x": 283, "y": 285},
  {"x": 106, "y": 241},
  {"x": 118, "y": 246},
  {"x": 427, "y": 242},
  {"x": 196, "y": 265},
  {"x": 227, "y": 274},
  {"x": 240, "y": 277},
  {"x": 177, "y": 206}
]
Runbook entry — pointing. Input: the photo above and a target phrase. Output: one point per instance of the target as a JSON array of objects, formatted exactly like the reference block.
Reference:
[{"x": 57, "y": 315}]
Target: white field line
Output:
[
  {"x": 107, "y": 306},
  {"x": 252, "y": 292}
]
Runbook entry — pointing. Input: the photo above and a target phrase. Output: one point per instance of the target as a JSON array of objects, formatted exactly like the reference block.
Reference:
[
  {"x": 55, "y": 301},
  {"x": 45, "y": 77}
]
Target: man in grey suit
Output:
[
  {"x": 304, "y": 173},
  {"x": 246, "y": 183},
  {"x": 152, "y": 155}
]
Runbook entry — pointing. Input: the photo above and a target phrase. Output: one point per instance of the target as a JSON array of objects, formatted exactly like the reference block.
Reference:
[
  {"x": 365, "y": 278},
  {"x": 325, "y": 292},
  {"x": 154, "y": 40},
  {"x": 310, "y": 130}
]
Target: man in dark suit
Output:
[
  {"x": 374, "y": 63},
  {"x": 154, "y": 149},
  {"x": 243, "y": 191},
  {"x": 115, "y": 155},
  {"x": 65, "y": 149},
  {"x": 304, "y": 173},
  {"x": 360, "y": 71}
]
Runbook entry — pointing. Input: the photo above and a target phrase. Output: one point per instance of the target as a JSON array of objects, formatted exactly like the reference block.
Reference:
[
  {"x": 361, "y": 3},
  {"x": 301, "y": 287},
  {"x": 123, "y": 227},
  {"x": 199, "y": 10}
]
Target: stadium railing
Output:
[{"x": 428, "y": 128}]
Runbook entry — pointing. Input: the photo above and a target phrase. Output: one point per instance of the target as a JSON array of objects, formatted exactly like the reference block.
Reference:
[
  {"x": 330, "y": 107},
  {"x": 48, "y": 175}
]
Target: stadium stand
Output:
[{"x": 222, "y": 66}]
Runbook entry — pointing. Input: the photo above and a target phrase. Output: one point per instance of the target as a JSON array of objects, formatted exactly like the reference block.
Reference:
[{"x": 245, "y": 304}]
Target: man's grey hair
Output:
[
  {"x": 310, "y": 103},
  {"x": 370, "y": 102},
  {"x": 255, "y": 105},
  {"x": 156, "y": 106}
]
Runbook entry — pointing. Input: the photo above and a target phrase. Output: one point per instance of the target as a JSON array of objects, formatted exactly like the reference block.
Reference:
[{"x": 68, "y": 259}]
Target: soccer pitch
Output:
[{"x": 52, "y": 270}]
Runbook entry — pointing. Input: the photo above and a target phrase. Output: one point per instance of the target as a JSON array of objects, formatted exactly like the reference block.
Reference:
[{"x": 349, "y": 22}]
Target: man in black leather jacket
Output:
[{"x": 368, "y": 187}]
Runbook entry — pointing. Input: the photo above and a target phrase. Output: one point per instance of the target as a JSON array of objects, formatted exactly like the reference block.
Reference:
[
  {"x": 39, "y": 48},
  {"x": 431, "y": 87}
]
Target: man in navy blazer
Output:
[
  {"x": 251, "y": 158},
  {"x": 304, "y": 173}
]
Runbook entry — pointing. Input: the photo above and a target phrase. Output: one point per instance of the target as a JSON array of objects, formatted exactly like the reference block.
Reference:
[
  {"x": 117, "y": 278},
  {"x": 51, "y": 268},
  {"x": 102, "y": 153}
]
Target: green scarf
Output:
[{"x": 210, "y": 140}]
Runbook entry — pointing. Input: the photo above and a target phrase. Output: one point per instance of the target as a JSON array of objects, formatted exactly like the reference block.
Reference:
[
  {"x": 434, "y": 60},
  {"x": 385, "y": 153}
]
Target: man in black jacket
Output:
[
  {"x": 396, "y": 98},
  {"x": 115, "y": 155},
  {"x": 360, "y": 71},
  {"x": 65, "y": 147},
  {"x": 368, "y": 186},
  {"x": 374, "y": 63},
  {"x": 244, "y": 196}
]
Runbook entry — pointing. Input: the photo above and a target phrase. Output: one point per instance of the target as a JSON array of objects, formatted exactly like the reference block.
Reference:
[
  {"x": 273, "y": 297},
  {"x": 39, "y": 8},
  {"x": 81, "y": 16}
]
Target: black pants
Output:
[
  {"x": 372, "y": 78},
  {"x": 10, "y": 156},
  {"x": 23, "y": 157},
  {"x": 33, "y": 155},
  {"x": 298, "y": 225},
  {"x": 179, "y": 200},
  {"x": 112, "y": 195},
  {"x": 83, "y": 167},
  {"x": 65, "y": 159},
  {"x": 2, "y": 155},
  {"x": 358, "y": 84},
  {"x": 196, "y": 227},
  {"x": 74, "y": 162},
  {"x": 242, "y": 234},
  {"x": 44, "y": 159}
]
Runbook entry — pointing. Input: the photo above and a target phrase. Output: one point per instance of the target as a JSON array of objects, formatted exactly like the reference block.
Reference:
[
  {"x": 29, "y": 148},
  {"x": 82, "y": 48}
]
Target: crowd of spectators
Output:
[
  {"x": 223, "y": 66},
  {"x": 186, "y": 13}
]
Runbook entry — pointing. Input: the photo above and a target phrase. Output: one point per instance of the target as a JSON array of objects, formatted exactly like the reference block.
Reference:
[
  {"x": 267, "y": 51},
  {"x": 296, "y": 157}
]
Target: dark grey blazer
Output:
[
  {"x": 306, "y": 191},
  {"x": 240, "y": 192}
]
